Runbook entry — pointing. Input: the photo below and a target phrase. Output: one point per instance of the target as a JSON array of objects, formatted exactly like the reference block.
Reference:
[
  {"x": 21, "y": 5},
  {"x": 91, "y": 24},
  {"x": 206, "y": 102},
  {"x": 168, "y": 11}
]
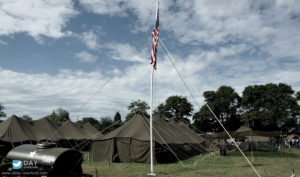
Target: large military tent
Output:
[{"x": 131, "y": 142}]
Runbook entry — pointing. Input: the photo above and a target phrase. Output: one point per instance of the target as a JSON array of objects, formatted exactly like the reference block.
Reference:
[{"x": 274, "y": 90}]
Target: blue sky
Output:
[{"x": 57, "y": 53}]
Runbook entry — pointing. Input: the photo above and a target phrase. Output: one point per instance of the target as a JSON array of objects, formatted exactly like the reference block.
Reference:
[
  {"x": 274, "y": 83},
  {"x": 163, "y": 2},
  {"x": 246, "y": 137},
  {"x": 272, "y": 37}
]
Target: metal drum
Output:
[{"x": 43, "y": 160}]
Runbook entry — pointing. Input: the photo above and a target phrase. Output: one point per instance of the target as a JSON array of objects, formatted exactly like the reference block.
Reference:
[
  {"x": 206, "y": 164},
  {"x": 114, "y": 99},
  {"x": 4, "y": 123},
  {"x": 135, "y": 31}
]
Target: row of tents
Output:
[
  {"x": 129, "y": 143},
  {"x": 15, "y": 130}
]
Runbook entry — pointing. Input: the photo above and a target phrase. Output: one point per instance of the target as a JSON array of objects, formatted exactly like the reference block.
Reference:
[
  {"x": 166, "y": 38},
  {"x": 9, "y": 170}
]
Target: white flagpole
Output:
[
  {"x": 151, "y": 137},
  {"x": 151, "y": 107}
]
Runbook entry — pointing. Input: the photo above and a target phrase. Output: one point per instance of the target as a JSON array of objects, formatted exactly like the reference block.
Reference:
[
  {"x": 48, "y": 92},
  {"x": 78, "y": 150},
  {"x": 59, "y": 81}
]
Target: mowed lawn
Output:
[{"x": 268, "y": 164}]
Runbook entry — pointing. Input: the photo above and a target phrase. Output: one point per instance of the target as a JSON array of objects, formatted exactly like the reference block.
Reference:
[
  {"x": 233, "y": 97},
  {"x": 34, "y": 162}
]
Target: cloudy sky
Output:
[{"x": 58, "y": 53}]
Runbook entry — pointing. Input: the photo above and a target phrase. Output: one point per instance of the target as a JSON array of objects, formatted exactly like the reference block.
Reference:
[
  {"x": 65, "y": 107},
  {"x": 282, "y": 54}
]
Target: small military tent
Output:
[
  {"x": 246, "y": 131},
  {"x": 292, "y": 136},
  {"x": 45, "y": 129},
  {"x": 90, "y": 131},
  {"x": 131, "y": 142},
  {"x": 257, "y": 143},
  {"x": 15, "y": 129},
  {"x": 255, "y": 140}
]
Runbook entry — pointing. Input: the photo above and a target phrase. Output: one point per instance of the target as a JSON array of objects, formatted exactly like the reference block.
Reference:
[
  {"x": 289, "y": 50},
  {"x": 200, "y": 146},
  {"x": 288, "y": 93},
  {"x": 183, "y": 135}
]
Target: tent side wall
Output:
[
  {"x": 257, "y": 146},
  {"x": 120, "y": 150},
  {"x": 140, "y": 151},
  {"x": 102, "y": 150}
]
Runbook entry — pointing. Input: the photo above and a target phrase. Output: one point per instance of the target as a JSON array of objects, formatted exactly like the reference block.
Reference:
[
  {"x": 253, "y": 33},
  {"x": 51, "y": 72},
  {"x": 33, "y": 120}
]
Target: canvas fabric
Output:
[
  {"x": 131, "y": 141},
  {"x": 257, "y": 146},
  {"x": 15, "y": 129},
  {"x": 246, "y": 131}
]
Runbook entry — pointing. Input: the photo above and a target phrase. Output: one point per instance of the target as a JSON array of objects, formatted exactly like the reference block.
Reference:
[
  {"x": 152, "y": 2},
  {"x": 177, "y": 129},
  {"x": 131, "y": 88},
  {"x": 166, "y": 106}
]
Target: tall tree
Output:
[
  {"x": 117, "y": 116},
  {"x": 26, "y": 117},
  {"x": 298, "y": 96},
  {"x": 59, "y": 115},
  {"x": 225, "y": 103},
  {"x": 160, "y": 110},
  {"x": 2, "y": 113},
  {"x": 106, "y": 125},
  {"x": 94, "y": 122},
  {"x": 137, "y": 106},
  {"x": 270, "y": 106},
  {"x": 177, "y": 107},
  {"x": 117, "y": 120}
]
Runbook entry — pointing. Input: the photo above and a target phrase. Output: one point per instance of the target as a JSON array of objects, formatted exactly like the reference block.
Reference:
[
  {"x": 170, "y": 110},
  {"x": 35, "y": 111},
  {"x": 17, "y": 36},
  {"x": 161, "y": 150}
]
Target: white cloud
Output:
[
  {"x": 36, "y": 18},
  {"x": 39, "y": 94},
  {"x": 245, "y": 43},
  {"x": 143, "y": 10},
  {"x": 116, "y": 7},
  {"x": 86, "y": 57},
  {"x": 90, "y": 39},
  {"x": 125, "y": 52},
  {"x": 272, "y": 26},
  {"x": 3, "y": 42}
]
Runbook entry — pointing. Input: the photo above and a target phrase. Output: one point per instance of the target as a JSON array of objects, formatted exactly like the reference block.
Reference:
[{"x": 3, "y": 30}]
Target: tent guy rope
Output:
[{"x": 171, "y": 59}]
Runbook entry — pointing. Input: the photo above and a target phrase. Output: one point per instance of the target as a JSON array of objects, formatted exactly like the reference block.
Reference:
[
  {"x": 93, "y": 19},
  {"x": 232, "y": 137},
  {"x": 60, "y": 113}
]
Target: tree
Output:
[
  {"x": 105, "y": 124},
  {"x": 225, "y": 103},
  {"x": 2, "y": 114},
  {"x": 26, "y": 117},
  {"x": 117, "y": 120},
  {"x": 177, "y": 107},
  {"x": 270, "y": 107},
  {"x": 160, "y": 110},
  {"x": 298, "y": 96},
  {"x": 59, "y": 115},
  {"x": 117, "y": 116},
  {"x": 94, "y": 122},
  {"x": 139, "y": 107}
]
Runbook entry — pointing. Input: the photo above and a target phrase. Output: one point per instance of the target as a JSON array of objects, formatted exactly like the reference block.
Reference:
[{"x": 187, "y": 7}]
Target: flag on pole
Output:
[{"x": 155, "y": 34}]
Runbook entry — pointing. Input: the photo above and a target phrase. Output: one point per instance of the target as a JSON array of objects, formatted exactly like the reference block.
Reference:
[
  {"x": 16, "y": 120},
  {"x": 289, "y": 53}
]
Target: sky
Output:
[{"x": 91, "y": 57}]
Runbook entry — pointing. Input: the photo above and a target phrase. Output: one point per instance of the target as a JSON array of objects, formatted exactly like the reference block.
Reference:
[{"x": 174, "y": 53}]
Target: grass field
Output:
[{"x": 268, "y": 164}]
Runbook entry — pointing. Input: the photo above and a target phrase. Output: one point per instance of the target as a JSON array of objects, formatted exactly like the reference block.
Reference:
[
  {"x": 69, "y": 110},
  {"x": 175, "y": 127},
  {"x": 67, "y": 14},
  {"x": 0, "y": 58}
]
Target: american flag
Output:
[{"x": 155, "y": 34}]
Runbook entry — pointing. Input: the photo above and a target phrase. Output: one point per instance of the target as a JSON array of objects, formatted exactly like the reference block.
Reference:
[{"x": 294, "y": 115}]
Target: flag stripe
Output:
[{"x": 155, "y": 33}]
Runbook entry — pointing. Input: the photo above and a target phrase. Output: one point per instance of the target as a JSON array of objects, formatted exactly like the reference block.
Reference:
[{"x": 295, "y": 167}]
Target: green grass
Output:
[{"x": 268, "y": 164}]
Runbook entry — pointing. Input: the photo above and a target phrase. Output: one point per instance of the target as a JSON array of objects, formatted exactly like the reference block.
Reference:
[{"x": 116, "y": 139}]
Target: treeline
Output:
[{"x": 266, "y": 107}]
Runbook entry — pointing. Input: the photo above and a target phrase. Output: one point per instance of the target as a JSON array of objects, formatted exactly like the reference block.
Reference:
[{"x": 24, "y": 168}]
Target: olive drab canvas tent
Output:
[
  {"x": 246, "y": 131},
  {"x": 257, "y": 143},
  {"x": 255, "y": 140},
  {"x": 90, "y": 131},
  {"x": 131, "y": 142},
  {"x": 72, "y": 131},
  {"x": 16, "y": 131}
]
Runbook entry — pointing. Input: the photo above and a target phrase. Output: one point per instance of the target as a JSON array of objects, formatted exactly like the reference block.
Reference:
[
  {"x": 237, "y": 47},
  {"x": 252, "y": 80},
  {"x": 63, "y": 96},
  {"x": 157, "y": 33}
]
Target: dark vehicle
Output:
[
  {"x": 1, "y": 152},
  {"x": 43, "y": 159}
]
